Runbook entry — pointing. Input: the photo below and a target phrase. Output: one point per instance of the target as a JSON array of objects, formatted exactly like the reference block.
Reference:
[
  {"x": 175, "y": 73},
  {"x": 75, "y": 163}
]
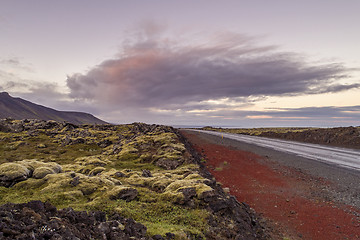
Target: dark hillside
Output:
[{"x": 18, "y": 108}]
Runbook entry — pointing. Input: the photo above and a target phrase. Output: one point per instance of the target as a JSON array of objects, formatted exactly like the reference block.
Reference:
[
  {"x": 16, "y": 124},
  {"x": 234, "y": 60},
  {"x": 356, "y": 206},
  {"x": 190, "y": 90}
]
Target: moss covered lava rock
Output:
[
  {"x": 11, "y": 173},
  {"x": 123, "y": 192},
  {"x": 148, "y": 173}
]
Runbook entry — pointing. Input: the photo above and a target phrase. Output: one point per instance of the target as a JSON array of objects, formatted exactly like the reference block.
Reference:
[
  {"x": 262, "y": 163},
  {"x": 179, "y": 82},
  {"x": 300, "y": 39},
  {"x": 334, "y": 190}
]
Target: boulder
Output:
[
  {"x": 124, "y": 193},
  {"x": 168, "y": 164},
  {"x": 11, "y": 173},
  {"x": 41, "y": 172},
  {"x": 104, "y": 143},
  {"x": 38, "y": 220},
  {"x": 189, "y": 193},
  {"x": 146, "y": 173}
]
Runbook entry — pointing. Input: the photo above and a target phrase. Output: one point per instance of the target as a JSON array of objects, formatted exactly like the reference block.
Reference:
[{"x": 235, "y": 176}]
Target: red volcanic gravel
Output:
[{"x": 290, "y": 199}]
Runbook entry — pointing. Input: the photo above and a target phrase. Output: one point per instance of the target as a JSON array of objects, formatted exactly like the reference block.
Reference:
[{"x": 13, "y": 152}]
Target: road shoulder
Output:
[{"x": 310, "y": 186}]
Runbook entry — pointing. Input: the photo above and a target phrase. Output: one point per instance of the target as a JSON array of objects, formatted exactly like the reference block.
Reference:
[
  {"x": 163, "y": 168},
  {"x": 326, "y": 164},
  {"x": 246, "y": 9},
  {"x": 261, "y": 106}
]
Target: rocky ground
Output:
[
  {"x": 36, "y": 220},
  {"x": 348, "y": 137},
  {"x": 303, "y": 199},
  {"x": 132, "y": 181}
]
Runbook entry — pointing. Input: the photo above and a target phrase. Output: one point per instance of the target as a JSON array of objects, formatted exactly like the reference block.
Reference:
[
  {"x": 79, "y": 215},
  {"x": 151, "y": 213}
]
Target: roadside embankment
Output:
[{"x": 348, "y": 137}]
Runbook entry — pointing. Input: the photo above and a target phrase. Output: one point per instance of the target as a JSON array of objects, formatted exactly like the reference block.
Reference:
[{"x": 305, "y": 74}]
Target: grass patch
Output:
[
  {"x": 12, "y": 150},
  {"x": 256, "y": 131},
  {"x": 162, "y": 217}
]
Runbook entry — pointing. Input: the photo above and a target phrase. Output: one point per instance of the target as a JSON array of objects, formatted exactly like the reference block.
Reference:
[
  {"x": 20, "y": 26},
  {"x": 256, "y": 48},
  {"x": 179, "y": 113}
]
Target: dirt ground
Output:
[{"x": 301, "y": 199}]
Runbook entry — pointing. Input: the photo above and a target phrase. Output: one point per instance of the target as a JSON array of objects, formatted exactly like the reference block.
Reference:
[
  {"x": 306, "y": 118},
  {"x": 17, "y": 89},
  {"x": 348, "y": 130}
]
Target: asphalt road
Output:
[{"x": 340, "y": 157}]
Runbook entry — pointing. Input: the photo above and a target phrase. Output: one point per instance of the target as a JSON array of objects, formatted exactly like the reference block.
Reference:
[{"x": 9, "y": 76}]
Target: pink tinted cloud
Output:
[{"x": 153, "y": 71}]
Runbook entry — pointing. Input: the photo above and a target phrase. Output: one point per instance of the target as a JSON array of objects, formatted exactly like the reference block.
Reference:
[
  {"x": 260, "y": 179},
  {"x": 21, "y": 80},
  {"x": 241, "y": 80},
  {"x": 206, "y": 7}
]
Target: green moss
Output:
[
  {"x": 94, "y": 160},
  {"x": 122, "y": 192},
  {"x": 56, "y": 182},
  {"x": 96, "y": 171},
  {"x": 71, "y": 167},
  {"x": 173, "y": 190},
  {"x": 128, "y": 148},
  {"x": 188, "y": 168},
  {"x": 173, "y": 155},
  {"x": 127, "y": 156},
  {"x": 85, "y": 170},
  {"x": 31, "y": 183},
  {"x": 194, "y": 176},
  {"x": 165, "y": 138},
  {"x": 15, "y": 145},
  {"x": 97, "y": 180},
  {"x": 41, "y": 145},
  {"x": 161, "y": 217},
  {"x": 13, "y": 170},
  {"x": 41, "y": 172},
  {"x": 174, "y": 147},
  {"x": 146, "y": 195},
  {"x": 256, "y": 131},
  {"x": 173, "y": 197},
  {"x": 33, "y": 164},
  {"x": 160, "y": 183},
  {"x": 146, "y": 157},
  {"x": 22, "y": 169},
  {"x": 136, "y": 179},
  {"x": 203, "y": 190},
  {"x": 88, "y": 188},
  {"x": 16, "y": 150},
  {"x": 71, "y": 196},
  {"x": 79, "y": 185}
]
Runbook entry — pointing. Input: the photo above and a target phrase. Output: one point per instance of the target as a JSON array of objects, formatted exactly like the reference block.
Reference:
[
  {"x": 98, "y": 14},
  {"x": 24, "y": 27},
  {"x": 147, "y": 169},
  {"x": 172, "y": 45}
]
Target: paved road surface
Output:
[{"x": 342, "y": 157}]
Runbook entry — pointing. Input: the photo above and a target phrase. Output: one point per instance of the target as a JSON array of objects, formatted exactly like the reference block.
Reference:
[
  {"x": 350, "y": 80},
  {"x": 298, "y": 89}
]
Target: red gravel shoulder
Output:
[{"x": 290, "y": 199}]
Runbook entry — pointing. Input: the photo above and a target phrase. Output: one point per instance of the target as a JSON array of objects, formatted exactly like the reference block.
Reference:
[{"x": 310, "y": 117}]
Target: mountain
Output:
[{"x": 18, "y": 108}]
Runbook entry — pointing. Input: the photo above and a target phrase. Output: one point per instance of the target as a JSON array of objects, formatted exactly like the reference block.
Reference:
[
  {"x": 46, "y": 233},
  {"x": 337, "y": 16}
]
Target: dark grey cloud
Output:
[{"x": 153, "y": 71}]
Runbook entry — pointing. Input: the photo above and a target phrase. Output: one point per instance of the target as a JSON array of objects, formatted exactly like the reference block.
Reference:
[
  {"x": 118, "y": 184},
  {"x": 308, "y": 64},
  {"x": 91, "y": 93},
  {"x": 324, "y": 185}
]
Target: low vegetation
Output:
[
  {"x": 143, "y": 172},
  {"x": 256, "y": 131}
]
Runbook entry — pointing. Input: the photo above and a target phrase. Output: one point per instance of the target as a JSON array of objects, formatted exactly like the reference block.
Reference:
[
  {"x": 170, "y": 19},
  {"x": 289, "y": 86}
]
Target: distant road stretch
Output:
[{"x": 343, "y": 157}]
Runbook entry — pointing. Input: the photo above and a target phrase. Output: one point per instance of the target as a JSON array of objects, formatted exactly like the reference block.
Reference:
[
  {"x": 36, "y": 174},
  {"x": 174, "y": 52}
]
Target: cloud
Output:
[
  {"x": 153, "y": 71},
  {"x": 352, "y": 112},
  {"x": 308, "y": 116},
  {"x": 10, "y": 81},
  {"x": 12, "y": 63},
  {"x": 204, "y": 79}
]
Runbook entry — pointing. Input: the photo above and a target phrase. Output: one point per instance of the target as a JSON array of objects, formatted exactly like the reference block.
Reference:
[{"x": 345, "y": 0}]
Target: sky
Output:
[{"x": 231, "y": 63}]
